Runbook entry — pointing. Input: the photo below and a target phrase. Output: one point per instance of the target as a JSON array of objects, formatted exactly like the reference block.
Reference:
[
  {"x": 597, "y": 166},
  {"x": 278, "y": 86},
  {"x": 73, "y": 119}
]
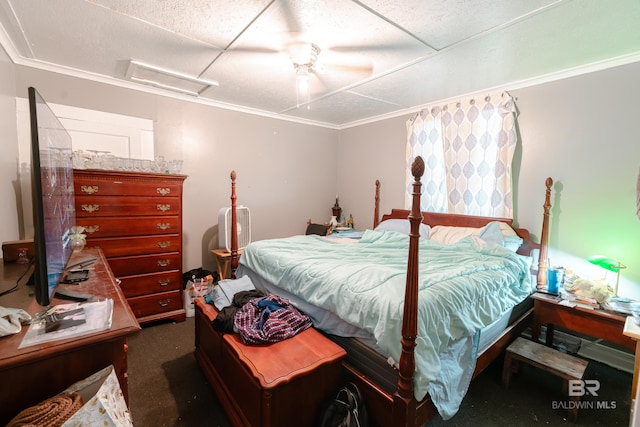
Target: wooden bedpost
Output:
[
  {"x": 376, "y": 209},
  {"x": 544, "y": 240},
  {"x": 234, "y": 227},
  {"x": 404, "y": 403}
]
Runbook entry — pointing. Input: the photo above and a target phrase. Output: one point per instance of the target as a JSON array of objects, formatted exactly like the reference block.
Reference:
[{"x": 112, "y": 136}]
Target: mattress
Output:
[
  {"x": 368, "y": 360},
  {"x": 362, "y": 351},
  {"x": 463, "y": 287}
]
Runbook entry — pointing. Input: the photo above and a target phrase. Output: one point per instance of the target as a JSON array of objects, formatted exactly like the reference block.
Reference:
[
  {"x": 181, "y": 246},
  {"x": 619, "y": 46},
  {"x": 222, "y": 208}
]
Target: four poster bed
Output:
[{"x": 474, "y": 294}]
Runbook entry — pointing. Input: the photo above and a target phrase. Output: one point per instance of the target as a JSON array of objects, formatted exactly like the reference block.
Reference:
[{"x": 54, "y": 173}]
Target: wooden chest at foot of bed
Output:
[{"x": 280, "y": 384}]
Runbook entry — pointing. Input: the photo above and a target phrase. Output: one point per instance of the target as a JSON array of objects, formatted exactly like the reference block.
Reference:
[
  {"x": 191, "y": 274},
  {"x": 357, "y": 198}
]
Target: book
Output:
[
  {"x": 581, "y": 301},
  {"x": 622, "y": 305}
]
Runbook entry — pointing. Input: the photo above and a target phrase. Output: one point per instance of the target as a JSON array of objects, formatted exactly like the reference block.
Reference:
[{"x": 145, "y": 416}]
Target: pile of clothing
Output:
[{"x": 257, "y": 317}]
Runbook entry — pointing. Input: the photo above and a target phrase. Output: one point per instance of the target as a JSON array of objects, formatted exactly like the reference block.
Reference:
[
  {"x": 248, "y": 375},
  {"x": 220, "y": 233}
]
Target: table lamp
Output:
[{"x": 610, "y": 265}]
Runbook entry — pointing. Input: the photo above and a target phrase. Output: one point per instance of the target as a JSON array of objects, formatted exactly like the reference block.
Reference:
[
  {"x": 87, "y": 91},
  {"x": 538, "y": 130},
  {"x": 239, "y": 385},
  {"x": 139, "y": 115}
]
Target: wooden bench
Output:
[
  {"x": 560, "y": 364},
  {"x": 280, "y": 384}
]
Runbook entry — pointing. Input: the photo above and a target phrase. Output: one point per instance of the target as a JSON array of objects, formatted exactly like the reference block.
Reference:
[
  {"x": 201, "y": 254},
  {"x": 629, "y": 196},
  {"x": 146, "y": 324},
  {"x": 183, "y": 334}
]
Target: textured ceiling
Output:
[{"x": 377, "y": 58}]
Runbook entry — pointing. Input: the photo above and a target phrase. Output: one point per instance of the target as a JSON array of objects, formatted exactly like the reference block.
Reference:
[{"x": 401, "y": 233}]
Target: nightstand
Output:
[
  {"x": 548, "y": 310},
  {"x": 223, "y": 260},
  {"x": 632, "y": 330}
]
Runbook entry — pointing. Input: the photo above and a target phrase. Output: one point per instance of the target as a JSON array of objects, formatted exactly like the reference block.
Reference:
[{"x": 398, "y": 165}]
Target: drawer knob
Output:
[
  {"x": 164, "y": 226},
  {"x": 164, "y": 302},
  {"x": 163, "y": 191},
  {"x": 90, "y": 229},
  {"x": 90, "y": 208},
  {"x": 164, "y": 245},
  {"x": 89, "y": 189},
  {"x": 163, "y": 208},
  {"x": 164, "y": 262},
  {"x": 164, "y": 282}
]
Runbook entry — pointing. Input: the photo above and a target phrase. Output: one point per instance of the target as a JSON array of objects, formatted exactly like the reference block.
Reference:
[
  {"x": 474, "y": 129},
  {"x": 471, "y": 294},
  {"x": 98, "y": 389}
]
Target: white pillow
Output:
[
  {"x": 402, "y": 226},
  {"x": 448, "y": 234},
  {"x": 496, "y": 231},
  {"x": 223, "y": 293}
]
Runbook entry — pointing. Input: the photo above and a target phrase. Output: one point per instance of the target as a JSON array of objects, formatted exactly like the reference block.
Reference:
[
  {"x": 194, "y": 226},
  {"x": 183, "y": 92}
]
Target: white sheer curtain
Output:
[{"x": 467, "y": 147}]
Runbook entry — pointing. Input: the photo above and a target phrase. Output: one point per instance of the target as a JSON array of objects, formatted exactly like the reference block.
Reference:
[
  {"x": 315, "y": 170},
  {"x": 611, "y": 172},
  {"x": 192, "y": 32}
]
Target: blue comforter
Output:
[{"x": 462, "y": 287}]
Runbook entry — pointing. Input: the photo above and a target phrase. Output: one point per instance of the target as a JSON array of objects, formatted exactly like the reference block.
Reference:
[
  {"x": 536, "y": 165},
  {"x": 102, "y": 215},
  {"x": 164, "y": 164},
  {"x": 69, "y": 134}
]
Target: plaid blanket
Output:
[{"x": 269, "y": 319}]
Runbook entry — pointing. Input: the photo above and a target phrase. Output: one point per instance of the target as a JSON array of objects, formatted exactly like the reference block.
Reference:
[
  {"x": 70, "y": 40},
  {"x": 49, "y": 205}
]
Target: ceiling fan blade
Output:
[
  {"x": 253, "y": 49},
  {"x": 366, "y": 69},
  {"x": 290, "y": 18},
  {"x": 370, "y": 48}
]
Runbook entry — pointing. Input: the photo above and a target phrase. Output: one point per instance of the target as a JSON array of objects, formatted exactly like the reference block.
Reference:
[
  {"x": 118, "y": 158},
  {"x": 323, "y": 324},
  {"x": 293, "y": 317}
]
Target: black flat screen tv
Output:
[{"x": 52, "y": 197}]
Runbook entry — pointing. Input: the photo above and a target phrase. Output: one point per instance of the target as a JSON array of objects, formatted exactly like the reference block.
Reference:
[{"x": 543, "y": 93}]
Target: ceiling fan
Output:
[{"x": 304, "y": 57}]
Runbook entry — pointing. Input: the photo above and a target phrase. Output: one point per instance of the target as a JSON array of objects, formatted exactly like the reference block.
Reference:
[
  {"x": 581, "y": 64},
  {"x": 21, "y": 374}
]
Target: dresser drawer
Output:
[
  {"x": 99, "y": 186},
  {"x": 132, "y": 265},
  {"x": 136, "y": 226},
  {"x": 136, "y": 218},
  {"x": 155, "y": 303},
  {"x": 133, "y": 286},
  {"x": 126, "y": 206},
  {"x": 123, "y": 246}
]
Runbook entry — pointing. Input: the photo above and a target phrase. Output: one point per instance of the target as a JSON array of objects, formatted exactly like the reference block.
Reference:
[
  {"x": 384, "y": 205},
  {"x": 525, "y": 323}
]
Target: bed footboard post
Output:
[
  {"x": 376, "y": 204},
  {"x": 544, "y": 254},
  {"x": 404, "y": 402},
  {"x": 234, "y": 227}
]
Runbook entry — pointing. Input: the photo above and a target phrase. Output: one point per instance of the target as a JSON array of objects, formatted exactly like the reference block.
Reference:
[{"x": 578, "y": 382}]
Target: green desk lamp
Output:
[{"x": 610, "y": 265}]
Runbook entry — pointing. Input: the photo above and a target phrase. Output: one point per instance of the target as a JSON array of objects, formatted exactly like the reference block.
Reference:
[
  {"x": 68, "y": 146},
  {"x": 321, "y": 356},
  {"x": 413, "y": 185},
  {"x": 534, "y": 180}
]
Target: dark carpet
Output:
[{"x": 167, "y": 388}]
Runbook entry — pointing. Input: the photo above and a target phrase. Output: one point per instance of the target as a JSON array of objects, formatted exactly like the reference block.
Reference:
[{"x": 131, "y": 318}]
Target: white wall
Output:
[
  {"x": 581, "y": 131},
  {"x": 368, "y": 153},
  {"x": 286, "y": 171},
  {"x": 10, "y": 227}
]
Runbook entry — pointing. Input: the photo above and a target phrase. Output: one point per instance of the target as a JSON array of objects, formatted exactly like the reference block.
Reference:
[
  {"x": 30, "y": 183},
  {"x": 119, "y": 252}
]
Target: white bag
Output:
[
  {"x": 104, "y": 401},
  {"x": 191, "y": 292}
]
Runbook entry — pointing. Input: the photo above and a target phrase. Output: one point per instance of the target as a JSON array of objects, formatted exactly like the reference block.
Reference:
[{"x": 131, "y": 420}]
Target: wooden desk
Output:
[
  {"x": 32, "y": 374},
  {"x": 223, "y": 260},
  {"x": 596, "y": 323}
]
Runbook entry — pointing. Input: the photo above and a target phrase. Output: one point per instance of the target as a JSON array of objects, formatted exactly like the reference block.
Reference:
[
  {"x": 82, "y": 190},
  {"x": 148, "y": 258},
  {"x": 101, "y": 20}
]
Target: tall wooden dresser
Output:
[{"x": 136, "y": 219}]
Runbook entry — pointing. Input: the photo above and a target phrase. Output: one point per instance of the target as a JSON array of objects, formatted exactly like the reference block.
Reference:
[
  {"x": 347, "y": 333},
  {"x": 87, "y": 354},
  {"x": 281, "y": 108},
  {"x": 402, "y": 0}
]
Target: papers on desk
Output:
[
  {"x": 69, "y": 321},
  {"x": 573, "y": 304},
  {"x": 622, "y": 305},
  {"x": 572, "y": 300}
]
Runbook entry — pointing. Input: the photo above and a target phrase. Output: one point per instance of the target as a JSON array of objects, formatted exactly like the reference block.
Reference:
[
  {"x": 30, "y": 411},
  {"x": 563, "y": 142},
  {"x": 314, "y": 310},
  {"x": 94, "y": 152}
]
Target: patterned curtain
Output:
[{"x": 467, "y": 147}]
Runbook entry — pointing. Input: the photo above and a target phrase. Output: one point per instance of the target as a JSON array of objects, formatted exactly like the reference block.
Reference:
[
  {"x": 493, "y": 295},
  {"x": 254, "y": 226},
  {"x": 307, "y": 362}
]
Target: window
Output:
[{"x": 467, "y": 147}]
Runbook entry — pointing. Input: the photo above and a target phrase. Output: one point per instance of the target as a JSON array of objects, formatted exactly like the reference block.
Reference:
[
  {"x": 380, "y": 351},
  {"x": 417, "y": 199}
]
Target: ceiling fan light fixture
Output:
[
  {"x": 304, "y": 53},
  {"x": 302, "y": 84},
  {"x": 302, "y": 77},
  {"x": 304, "y": 57}
]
